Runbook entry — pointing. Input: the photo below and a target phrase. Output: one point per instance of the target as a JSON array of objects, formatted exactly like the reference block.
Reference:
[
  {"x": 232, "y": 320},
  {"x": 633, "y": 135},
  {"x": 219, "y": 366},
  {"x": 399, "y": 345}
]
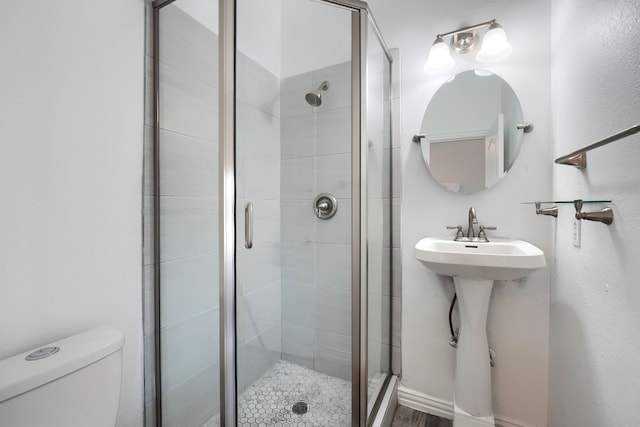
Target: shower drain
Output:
[{"x": 300, "y": 408}]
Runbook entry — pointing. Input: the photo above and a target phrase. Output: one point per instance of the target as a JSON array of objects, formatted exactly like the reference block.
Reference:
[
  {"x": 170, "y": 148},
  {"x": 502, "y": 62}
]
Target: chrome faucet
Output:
[
  {"x": 472, "y": 220},
  {"x": 471, "y": 233}
]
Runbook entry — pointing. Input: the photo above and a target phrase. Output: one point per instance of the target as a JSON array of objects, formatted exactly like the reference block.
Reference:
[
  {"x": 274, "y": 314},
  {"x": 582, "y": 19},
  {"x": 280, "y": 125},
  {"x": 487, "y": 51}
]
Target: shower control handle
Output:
[
  {"x": 325, "y": 206},
  {"x": 248, "y": 226}
]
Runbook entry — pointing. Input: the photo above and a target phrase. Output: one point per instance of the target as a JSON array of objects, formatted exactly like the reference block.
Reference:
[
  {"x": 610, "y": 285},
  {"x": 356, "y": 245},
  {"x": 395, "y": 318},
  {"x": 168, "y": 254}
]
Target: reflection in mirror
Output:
[{"x": 471, "y": 135}]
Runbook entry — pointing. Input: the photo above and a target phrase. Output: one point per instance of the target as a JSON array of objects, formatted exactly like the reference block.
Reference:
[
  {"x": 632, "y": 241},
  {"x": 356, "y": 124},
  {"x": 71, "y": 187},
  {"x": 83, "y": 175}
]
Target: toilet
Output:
[{"x": 73, "y": 382}]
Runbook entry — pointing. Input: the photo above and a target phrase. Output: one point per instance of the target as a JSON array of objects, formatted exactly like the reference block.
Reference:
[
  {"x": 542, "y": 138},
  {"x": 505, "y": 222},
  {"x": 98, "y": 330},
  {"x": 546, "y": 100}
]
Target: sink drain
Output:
[{"x": 300, "y": 408}]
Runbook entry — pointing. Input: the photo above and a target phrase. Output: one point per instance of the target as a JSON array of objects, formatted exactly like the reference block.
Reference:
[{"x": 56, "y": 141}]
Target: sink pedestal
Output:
[
  {"x": 472, "y": 384},
  {"x": 474, "y": 267}
]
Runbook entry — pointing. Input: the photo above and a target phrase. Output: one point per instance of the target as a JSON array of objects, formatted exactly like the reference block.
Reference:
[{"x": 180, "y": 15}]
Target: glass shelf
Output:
[{"x": 566, "y": 202}]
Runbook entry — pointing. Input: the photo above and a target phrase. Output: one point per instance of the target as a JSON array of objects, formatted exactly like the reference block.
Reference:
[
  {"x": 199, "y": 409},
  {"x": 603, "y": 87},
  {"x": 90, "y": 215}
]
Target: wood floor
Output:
[{"x": 405, "y": 417}]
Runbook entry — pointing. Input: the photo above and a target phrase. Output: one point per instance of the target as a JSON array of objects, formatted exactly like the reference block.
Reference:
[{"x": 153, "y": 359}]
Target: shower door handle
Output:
[{"x": 248, "y": 226}]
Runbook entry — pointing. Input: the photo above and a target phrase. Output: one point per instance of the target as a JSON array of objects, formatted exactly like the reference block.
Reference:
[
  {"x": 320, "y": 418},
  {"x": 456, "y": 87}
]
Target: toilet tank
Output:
[{"x": 77, "y": 385}]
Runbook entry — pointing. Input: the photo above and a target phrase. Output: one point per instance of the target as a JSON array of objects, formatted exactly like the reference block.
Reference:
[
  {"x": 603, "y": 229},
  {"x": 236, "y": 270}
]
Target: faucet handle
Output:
[
  {"x": 459, "y": 233},
  {"x": 482, "y": 234}
]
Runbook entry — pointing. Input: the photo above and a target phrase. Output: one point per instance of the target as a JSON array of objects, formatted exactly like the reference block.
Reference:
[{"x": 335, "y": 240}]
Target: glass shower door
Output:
[
  {"x": 379, "y": 199},
  {"x": 293, "y": 268},
  {"x": 188, "y": 213}
]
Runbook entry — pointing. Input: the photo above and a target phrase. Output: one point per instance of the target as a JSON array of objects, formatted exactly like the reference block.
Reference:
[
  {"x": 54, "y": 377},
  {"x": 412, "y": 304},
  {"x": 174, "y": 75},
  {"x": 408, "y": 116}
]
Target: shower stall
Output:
[{"x": 271, "y": 214}]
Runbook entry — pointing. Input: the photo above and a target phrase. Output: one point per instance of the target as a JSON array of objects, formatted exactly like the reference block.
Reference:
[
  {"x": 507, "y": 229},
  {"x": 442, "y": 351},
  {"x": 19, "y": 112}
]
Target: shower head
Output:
[{"x": 314, "y": 98}]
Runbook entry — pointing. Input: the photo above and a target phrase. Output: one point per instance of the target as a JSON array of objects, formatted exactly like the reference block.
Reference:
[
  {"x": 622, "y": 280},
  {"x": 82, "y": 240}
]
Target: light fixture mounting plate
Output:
[{"x": 465, "y": 41}]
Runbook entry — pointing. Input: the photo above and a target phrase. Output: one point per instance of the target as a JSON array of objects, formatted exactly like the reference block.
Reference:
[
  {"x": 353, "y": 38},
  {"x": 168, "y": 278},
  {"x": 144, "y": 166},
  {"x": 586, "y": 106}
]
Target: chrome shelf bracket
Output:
[
  {"x": 553, "y": 211},
  {"x": 604, "y": 215}
]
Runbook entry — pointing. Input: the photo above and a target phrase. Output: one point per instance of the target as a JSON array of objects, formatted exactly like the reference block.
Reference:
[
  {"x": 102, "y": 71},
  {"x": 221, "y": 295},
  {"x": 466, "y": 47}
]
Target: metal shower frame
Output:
[{"x": 360, "y": 18}]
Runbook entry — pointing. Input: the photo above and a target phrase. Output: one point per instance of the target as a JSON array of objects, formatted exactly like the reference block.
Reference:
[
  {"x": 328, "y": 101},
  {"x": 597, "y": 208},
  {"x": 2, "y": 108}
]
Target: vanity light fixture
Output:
[
  {"x": 440, "y": 59},
  {"x": 494, "y": 47}
]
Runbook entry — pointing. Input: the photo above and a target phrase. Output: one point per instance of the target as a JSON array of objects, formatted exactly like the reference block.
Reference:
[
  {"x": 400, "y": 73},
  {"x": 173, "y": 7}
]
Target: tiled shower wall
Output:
[
  {"x": 378, "y": 188},
  {"x": 188, "y": 216},
  {"x": 316, "y": 254},
  {"x": 396, "y": 195},
  {"x": 258, "y": 274}
]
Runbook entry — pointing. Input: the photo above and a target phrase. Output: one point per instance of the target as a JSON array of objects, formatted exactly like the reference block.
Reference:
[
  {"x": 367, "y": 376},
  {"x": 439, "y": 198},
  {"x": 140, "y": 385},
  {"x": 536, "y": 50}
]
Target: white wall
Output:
[
  {"x": 71, "y": 166},
  {"x": 314, "y": 35},
  {"x": 518, "y": 324},
  {"x": 595, "y": 301}
]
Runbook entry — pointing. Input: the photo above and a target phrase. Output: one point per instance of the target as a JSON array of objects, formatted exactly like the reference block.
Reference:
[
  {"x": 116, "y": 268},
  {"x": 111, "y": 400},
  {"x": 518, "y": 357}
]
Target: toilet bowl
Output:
[{"x": 73, "y": 382}]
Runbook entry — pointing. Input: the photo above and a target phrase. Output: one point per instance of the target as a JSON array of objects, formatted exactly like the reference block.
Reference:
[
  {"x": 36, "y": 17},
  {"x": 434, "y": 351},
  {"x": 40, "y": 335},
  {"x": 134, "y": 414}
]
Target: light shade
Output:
[
  {"x": 439, "y": 57},
  {"x": 494, "y": 45}
]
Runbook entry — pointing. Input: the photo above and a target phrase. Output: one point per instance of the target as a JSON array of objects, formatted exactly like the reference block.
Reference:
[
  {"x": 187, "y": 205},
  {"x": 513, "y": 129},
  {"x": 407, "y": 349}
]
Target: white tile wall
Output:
[
  {"x": 298, "y": 344},
  {"x": 257, "y": 356},
  {"x": 298, "y": 221},
  {"x": 333, "y": 354},
  {"x": 333, "y": 310},
  {"x": 195, "y": 401},
  {"x": 261, "y": 177},
  {"x": 333, "y": 175},
  {"x": 188, "y": 47},
  {"x": 259, "y": 311},
  {"x": 259, "y": 87},
  {"x": 188, "y": 227},
  {"x": 188, "y": 166},
  {"x": 187, "y": 288},
  {"x": 396, "y": 194},
  {"x": 299, "y": 304},
  {"x": 379, "y": 270},
  {"x": 188, "y": 348},
  {"x": 257, "y": 267},
  {"x": 338, "y": 229},
  {"x": 259, "y": 276},
  {"x": 316, "y": 153},
  {"x": 298, "y": 178},
  {"x": 379, "y": 167},
  {"x": 258, "y": 131},
  {"x": 292, "y": 91},
  {"x": 298, "y": 135},
  {"x": 188, "y": 215},
  {"x": 333, "y": 265},
  {"x": 192, "y": 50},
  {"x": 333, "y": 131},
  {"x": 186, "y": 105},
  {"x": 339, "y": 93},
  {"x": 298, "y": 262}
]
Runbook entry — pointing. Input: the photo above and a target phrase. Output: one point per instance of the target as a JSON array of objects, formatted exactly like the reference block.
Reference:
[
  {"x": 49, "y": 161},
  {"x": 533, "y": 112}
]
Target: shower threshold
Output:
[{"x": 271, "y": 400}]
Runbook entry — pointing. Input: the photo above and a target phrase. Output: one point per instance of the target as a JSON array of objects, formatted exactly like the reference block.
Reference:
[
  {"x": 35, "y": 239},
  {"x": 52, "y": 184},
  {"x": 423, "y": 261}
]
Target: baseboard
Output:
[
  {"x": 442, "y": 408},
  {"x": 423, "y": 403}
]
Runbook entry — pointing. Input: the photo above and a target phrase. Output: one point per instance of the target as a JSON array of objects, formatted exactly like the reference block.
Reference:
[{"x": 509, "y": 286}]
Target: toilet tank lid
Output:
[{"x": 18, "y": 375}]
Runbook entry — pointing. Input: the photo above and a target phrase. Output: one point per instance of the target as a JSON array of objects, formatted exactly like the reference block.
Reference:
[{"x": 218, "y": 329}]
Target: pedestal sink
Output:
[{"x": 474, "y": 266}]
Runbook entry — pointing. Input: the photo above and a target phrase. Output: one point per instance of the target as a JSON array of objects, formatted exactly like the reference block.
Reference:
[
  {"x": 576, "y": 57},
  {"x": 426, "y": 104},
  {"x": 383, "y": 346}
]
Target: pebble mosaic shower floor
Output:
[{"x": 269, "y": 401}]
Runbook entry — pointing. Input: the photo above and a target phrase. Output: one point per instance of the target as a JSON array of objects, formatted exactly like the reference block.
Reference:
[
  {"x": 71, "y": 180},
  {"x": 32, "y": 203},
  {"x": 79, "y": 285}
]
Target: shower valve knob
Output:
[{"x": 325, "y": 206}]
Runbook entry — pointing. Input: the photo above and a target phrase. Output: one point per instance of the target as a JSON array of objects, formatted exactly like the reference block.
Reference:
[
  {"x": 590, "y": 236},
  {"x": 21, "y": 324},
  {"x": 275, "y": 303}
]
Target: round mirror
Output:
[{"x": 471, "y": 131}]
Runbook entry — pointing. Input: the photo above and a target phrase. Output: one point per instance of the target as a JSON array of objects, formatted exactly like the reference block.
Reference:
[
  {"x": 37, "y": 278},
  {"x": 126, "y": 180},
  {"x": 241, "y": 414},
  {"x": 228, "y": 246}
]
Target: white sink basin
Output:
[{"x": 499, "y": 259}]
